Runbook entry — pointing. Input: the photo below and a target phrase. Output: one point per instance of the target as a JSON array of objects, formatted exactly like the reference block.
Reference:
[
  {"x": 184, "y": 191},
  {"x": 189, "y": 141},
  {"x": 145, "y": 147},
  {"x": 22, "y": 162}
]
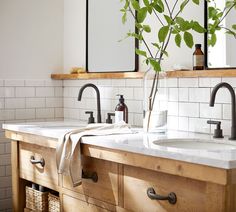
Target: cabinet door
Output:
[
  {"x": 71, "y": 204},
  {"x": 192, "y": 195},
  {"x": 106, "y": 188}
]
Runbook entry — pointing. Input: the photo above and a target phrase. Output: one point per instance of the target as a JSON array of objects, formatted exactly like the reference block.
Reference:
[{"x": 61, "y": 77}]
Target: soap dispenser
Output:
[{"x": 121, "y": 110}]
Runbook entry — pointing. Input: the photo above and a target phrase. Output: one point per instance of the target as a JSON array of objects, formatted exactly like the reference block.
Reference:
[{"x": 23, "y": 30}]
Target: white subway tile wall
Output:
[
  {"x": 24, "y": 101},
  {"x": 188, "y": 101}
]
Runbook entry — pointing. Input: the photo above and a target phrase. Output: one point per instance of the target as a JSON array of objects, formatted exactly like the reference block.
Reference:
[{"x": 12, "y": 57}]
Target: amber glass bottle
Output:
[
  {"x": 198, "y": 58},
  {"x": 121, "y": 111}
]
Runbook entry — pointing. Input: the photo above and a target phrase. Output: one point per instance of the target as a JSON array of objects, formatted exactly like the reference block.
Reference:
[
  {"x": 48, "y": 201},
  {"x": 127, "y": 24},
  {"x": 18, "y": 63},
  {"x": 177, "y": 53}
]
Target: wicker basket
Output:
[
  {"x": 36, "y": 200},
  {"x": 53, "y": 203}
]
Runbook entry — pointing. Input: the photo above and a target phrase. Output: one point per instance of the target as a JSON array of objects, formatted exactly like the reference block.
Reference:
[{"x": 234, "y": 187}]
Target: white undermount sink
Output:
[{"x": 193, "y": 144}]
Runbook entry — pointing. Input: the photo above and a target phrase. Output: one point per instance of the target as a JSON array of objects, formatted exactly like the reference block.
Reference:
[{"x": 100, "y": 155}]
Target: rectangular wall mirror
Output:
[
  {"x": 222, "y": 55},
  {"x": 104, "y": 52}
]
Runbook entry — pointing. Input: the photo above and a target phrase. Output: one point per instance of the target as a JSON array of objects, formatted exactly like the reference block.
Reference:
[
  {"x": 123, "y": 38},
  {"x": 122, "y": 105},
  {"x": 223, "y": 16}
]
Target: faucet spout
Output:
[
  {"x": 233, "y": 104},
  {"x": 99, "y": 119}
]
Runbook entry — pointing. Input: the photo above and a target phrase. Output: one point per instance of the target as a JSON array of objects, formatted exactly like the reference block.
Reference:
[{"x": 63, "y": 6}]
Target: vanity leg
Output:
[{"x": 18, "y": 191}]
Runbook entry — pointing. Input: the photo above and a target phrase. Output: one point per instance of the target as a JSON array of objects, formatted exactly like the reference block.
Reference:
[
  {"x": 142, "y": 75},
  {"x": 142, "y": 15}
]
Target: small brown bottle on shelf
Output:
[
  {"x": 121, "y": 111},
  {"x": 198, "y": 58}
]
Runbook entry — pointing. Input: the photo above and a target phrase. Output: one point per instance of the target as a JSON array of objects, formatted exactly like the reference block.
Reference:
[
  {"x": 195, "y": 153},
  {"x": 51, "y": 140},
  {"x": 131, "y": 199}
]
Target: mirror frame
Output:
[
  {"x": 136, "y": 62},
  {"x": 206, "y": 41}
]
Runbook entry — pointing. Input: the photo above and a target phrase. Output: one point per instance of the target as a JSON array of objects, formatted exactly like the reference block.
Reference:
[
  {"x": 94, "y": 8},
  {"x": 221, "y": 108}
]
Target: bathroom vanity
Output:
[{"x": 127, "y": 166}]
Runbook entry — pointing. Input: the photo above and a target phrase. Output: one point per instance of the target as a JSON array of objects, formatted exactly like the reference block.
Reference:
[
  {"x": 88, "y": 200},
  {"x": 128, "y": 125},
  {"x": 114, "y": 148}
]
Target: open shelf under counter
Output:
[{"x": 139, "y": 75}]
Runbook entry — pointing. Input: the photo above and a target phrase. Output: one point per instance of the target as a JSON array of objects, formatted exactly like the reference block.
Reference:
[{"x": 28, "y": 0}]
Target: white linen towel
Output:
[{"x": 68, "y": 155}]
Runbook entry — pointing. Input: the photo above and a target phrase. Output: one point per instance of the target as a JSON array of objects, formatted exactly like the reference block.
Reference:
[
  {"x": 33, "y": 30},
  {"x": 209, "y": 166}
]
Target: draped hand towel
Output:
[{"x": 68, "y": 155}]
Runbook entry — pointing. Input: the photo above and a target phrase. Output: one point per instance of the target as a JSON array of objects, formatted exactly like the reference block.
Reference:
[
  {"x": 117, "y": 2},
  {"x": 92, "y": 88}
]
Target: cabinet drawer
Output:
[
  {"x": 71, "y": 204},
  {"x": 192, "y": 195},
  {"x": 106, "y": 188},
  {"x": 44, "y": 175}
]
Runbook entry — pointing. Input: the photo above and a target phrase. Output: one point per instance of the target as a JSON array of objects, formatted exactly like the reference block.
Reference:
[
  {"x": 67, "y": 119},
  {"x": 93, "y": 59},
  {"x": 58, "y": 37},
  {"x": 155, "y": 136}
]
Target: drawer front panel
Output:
[
  {"x": 106, "y": 188},
  {"x": 71, "y": 204},
  {"x": 192, "y": 195},
  {"x": 44, "y": 175}
]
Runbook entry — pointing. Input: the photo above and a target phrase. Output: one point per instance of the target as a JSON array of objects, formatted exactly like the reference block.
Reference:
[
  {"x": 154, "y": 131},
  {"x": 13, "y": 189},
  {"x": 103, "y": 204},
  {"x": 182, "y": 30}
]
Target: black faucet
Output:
[
  {"x": 99, "y": 119},
  {"x": 233, "y": 104}
]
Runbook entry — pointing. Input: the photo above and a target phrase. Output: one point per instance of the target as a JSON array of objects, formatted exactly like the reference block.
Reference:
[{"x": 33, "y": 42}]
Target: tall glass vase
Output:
[{"x": 155, "y": 103}]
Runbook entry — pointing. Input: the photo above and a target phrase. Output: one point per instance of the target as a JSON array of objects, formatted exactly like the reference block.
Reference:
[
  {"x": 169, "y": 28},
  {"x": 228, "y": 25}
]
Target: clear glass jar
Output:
[{"x": 155, "y": 103}]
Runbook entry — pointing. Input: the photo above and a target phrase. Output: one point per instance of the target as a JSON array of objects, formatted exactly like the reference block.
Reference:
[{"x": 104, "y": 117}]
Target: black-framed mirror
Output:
[
  {"x": 222, "y": 55},
  {"x": 104, "y": 29}
]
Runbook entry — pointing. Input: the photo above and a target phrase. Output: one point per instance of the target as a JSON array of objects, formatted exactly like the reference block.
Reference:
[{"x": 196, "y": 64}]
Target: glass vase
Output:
[{"x": 155, "y": 103}]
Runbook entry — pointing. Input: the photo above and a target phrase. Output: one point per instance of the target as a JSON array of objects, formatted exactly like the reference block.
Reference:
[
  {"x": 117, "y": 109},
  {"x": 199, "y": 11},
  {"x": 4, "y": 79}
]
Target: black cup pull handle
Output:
[
  {"x": 41, "y": 161},
  {"x": 171, "y": 197},
  {"x": 90, "y": 175}
]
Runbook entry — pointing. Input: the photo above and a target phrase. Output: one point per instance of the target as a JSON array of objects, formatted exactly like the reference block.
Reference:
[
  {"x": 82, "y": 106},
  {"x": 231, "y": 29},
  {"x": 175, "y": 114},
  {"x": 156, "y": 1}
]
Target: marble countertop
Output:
[{"x": 140, "y": 142}]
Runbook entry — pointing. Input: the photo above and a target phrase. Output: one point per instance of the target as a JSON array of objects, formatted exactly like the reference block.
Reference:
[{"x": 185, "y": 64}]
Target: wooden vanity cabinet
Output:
[{"x": 123, "y": 180}]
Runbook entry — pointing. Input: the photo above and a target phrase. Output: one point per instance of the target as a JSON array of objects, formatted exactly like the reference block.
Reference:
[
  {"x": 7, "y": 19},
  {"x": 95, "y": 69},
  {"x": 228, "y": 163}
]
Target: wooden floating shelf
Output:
[
  {"x": 139, "y": 75},
  {"x": 123, "y": 75}
]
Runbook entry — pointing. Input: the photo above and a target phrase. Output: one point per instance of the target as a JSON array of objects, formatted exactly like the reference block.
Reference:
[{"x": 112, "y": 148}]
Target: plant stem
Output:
[
  {"x": 145, "y": 43},
  {"x": 158, "y": 18},
  {"x": 172, "y": 11},
  {"x": 168, "y": 9},
  {"x": 177, "y": 14}
]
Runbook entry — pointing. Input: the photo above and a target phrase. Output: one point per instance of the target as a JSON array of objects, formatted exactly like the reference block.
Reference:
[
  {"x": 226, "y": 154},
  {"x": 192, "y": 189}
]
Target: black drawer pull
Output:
[
  {"x": 41, "y": 161},
  {"x": 90, "y": 175},
  {"x": 172, "y": 198}
]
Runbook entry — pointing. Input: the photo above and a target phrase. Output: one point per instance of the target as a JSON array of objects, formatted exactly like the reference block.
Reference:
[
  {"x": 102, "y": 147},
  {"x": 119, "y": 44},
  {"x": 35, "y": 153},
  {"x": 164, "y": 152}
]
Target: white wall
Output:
[{"x": 31, "y": 41}]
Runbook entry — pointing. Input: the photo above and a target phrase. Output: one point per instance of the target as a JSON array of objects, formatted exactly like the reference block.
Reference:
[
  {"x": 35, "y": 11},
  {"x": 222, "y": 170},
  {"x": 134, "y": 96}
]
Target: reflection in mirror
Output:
[
  {"x": 104, "y": 31},
  {"x": 222, "y": 55}
]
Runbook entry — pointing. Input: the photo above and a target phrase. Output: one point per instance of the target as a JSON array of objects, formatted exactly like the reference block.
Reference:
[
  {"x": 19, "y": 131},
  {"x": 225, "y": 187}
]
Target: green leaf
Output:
[
  {"x": 168, "y": 19},
  {"x": 165, "y": 53},
  {"x": 147, "y": 28},
  {"x": 146, "y": 3},
  {"x": 135, "y": 4},
  {"x": 156, "y": 66},
  {"x": 137, "y": 36},
  {"x": 196, "y": 2},
  {"x": 156, "y": 45},
  {"x": 229, "y": 4},
  {"x": 182, "y": 6},
  {"x": 234, "y": 26},
  {"x": 158, "y": 6},
  {"x": 197, "y": 27},
  {"x": 163, "y": 33},
  {"x": 126, "y": 4},
  {"x": 178, "y": 39},
  {"x": 140, "y": 52},
  {"x": 188, "y": 39},
  {"x": 160, "y": 3},
  {"x": 124, "y": 18},
  {"x": 141, "y": 15},
  {"x": 213, "y": 39}
]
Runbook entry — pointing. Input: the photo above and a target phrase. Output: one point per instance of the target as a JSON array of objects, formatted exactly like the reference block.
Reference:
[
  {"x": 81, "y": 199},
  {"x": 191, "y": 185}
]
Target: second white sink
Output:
[{"x": 193, "y": 144}]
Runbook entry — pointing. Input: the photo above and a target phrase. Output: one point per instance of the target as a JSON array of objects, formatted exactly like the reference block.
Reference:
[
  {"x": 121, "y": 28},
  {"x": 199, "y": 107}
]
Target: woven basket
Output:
[
  {"x": 53, "y": 203},
  {"x": 36, "y": 200}
]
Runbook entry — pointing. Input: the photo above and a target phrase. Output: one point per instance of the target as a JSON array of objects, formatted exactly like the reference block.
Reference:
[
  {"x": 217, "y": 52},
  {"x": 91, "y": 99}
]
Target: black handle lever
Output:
[
  {"x": 91, "y": 118},
  {"x": 218, "y": 133},
  {"x": 109, "y": 120},
  {"x": 90, "y": 175},
  {"x": 41, "y": 161},
  {"x": 171, "y": 197}
]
